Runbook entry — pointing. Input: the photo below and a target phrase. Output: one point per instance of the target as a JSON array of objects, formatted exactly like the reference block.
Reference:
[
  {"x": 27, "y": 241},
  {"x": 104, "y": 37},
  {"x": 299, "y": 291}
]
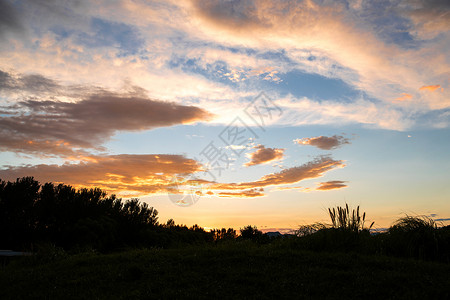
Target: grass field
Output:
[{"x": 239, "y": 270}]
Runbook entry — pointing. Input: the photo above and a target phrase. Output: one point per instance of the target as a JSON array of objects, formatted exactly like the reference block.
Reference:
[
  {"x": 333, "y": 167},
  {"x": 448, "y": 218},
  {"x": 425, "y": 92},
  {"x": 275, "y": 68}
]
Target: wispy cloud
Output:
[
  {"x": 264, "y": 155},
  {"x": 380, "y": 66},
  {"x": 239, "y": 40},
  {"x": 324, "y": 142},
  {"x": 430, "y": 18}
]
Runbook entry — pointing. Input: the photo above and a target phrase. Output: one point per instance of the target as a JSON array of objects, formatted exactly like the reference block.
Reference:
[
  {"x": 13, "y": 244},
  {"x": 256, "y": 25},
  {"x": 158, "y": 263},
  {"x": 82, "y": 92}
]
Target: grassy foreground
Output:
[{"x": 241, "y": 270}]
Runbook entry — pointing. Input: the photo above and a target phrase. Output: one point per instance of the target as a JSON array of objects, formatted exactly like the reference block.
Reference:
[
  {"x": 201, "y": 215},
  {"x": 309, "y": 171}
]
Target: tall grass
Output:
[
  {"x": 410, "y": 223},
  {"x": 343, "y": 218},
  {"x": 305, "y": 230},
  {"x": 416, "y": 236}
]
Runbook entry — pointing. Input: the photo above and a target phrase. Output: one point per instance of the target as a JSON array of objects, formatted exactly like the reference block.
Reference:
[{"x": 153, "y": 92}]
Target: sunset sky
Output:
[{"x": 230, "y": 113}]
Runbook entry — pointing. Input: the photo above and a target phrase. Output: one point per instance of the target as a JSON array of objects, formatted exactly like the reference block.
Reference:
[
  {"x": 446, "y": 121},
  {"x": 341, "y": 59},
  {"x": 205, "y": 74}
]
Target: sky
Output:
[{"x": 232, "y": 113}]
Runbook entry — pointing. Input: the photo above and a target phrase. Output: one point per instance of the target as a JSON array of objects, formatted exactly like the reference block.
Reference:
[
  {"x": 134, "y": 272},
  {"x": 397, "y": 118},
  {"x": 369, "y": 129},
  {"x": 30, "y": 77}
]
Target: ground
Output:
[{"x": 228, "y": 271}]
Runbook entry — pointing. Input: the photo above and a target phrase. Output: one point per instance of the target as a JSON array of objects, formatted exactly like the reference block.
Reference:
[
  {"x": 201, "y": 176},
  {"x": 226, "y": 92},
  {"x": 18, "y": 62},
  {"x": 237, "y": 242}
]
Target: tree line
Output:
[{"x": 34, "y": 215}]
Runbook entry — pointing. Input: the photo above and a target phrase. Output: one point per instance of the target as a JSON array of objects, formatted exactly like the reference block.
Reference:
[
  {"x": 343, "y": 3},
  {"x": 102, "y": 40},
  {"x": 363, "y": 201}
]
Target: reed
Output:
[{"x": 346, "y": 219}]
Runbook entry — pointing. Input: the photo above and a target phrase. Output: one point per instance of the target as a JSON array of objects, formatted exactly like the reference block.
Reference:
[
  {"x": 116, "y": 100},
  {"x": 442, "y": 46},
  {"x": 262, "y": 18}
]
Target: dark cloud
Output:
[
  {"x": 331, "y": 185},
  {"x": 437, "y": 5},
  {"x": 56, "y": 7},
  {"x": 33, "y": 83},
  {"x": 143, "y": 174},
  {"x": 429, "y": 17},
  {"x": 55, "y": 127},
  {"x": 9, "y": 19},
  {"x": 324, "y": 142},
  {"x": 264, "y": 155},
  {"x": 232, "y": 14}
]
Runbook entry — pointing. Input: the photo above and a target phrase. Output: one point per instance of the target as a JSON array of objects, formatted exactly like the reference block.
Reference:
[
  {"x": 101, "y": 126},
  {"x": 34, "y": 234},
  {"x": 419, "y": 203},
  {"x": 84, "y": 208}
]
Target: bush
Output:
[
  {"x": 415, "y": 237},
  {"x": 251, "y": 233}
]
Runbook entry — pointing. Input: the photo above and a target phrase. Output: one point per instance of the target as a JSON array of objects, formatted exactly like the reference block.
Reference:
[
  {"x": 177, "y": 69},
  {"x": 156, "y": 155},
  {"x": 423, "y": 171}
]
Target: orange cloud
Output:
[
  {"x": 264, "y": 155},
  {"x": 138, "y": 175},
  {"x": 309, "y": 170},
  {"x": 404, "y": 97},
  {"x": 431, "y": 88},
  {"x": 122, "y": 174},
  {"x": 331, "y": 185},
  {"x": 324, "y": 142},
  {"x": 287, "y": 188},
  {"x": 244, "y": 194}
]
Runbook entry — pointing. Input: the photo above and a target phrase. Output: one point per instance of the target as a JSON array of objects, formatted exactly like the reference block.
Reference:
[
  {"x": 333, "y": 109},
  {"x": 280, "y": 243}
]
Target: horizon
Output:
[{"x": 232, "y": 113}]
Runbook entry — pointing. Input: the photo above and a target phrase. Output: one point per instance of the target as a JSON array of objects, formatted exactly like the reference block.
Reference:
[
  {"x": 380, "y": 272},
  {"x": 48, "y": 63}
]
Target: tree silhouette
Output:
[
  {"x": 17, "y": 214},
  {"x": 31, "y": 213},
  {"x": 251, "y": 233},
  {"x": 224, "y": 234}
]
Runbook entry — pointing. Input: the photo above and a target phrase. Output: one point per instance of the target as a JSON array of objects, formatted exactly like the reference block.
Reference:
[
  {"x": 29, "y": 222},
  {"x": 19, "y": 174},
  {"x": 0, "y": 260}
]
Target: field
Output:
[{"x": 233, "y": 271}]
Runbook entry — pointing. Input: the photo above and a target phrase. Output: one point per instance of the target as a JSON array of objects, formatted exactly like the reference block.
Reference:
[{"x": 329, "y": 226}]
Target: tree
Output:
[
  {"x": 251, "y": 233},
  {"x": 17, "y": 212},
  {"x": 224, "y": 234}
]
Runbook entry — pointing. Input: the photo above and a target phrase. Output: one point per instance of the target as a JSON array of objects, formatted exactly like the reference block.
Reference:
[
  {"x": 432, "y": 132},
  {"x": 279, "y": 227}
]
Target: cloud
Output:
[
  {"x": 53, "y": 127},
  {"x": 313, "y": 169},
  {"x": 33, "y": 83},
  {"x": 122, "y": 174},
  {"x": 331, "y": 185},
  {"x": 304, "y": 111},
  {"x": 264, "y": 155},
  {"x": 138, "y": 175},
  {"x": 430, "y": 18},
  {"x": 252, "y": 193},
  {"x": 287, "y": 188},
  {"x": 404, "y": 96},
  {"x": 9, "y": 19},
  {"x": 324, "y": 142},
  {"x": 369, "y": 55},
  {"x": 244, "y": 39},
  {"x": 442, "y": 220},
  {"x": 431, "y": 88}
]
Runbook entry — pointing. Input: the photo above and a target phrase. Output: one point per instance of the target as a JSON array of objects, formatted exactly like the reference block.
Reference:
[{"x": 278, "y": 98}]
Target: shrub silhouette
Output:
[
  {"x": 347, "y": 232},
  {"x": 224, "y": 234},
  {"x": 251, "y": 233},
  {"x": 305, "y": 230},
  {"x": 417, "y": 237}
]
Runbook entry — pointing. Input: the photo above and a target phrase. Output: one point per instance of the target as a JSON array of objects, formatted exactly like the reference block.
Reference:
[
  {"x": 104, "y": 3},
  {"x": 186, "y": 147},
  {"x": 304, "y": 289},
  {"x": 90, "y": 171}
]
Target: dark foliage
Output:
[
  {"x": 32, "y": 214},
  {"x": 413, "y": 237},
  {"x": 417, "y": 237},
  {"x": 223, "y": 234},
  {"x": 53, "y": 219}
]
